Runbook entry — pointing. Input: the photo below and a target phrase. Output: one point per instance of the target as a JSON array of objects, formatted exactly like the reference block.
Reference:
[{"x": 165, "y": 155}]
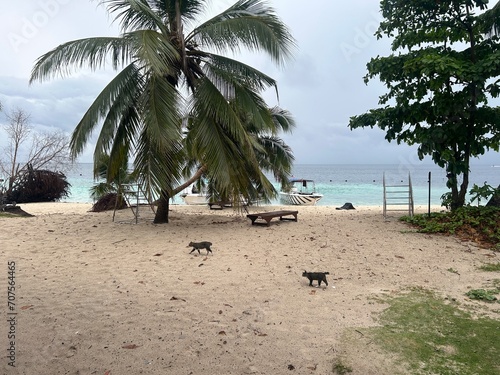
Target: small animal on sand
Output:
[
  {"x": 200, "y": 245},
  {"x": 319, "y": 276}
]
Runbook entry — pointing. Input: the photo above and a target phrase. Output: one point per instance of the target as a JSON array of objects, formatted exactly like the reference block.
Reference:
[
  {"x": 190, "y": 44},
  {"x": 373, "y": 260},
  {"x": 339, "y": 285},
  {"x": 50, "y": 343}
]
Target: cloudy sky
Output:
[{"x": 322, "y": 87}]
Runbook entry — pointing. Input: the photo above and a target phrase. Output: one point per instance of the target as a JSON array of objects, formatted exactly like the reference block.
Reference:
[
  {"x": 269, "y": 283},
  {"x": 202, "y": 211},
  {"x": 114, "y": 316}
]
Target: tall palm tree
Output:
[{"x": 161, "y": 55}]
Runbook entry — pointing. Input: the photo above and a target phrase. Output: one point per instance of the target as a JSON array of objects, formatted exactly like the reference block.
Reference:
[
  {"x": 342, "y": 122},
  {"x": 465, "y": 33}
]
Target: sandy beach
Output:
[{"x": 93, "y": 296}]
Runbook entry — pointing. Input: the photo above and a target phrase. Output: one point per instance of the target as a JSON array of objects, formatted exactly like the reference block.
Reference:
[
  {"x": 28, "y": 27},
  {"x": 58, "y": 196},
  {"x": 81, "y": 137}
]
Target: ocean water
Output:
[{"x": 361, "y": 185}]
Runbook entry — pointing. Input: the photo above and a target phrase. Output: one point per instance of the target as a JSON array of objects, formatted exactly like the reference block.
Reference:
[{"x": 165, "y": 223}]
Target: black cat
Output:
[
  {"x": 319, "y": 276},
  {"x": 200, "y": 245}
]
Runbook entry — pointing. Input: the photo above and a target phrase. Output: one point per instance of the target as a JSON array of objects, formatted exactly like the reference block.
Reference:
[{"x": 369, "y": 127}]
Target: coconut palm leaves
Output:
[{"x": 171, "y": 69}]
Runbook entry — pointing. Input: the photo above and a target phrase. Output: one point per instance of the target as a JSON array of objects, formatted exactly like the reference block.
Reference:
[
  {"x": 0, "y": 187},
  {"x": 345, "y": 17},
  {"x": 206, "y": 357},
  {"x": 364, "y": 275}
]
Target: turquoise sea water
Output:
[{"x": 340, "y": 183}]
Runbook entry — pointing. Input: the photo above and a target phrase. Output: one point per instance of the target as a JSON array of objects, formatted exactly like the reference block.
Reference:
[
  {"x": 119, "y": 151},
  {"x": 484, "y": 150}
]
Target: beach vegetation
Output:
[
  {"x": 490, "y": 267},
  {"x": 430, "y": 335},
  {"x": 485, "y": 192},
  {"x": 178, "y": 103},
  {"x": 109, "y": 190},
  {"x": 477, "y": 224},
  {"x": 340, "y": 368},
  {"x": 38, "y": 185},
  {"x": 31, "y": 155},
  {"x": 442, "y": 80},
  {"x": 487, "y": 295}
]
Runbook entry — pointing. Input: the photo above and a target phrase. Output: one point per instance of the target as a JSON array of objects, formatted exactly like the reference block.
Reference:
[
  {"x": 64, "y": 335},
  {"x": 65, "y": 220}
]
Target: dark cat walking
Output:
[
  {"x": 319, "y": 276},
  {"x": 200, "y": 245}
]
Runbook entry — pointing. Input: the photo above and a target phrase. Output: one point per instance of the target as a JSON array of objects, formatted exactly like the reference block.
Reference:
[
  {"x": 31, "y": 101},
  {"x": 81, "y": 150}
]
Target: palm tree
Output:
[
  {"x": 162, "y": 56},
  {"x": 113, "y": 189},
  {"x": 272, "y": 153}
]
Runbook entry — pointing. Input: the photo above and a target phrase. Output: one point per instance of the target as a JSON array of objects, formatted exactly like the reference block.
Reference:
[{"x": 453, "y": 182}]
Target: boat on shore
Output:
[
  {"x": 300, "y": 192},
  {"x": 195, "y": 194},
  {"x": 195, "y": 198}
]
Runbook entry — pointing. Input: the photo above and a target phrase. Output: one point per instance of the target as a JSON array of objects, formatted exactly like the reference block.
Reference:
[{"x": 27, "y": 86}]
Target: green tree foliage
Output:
[
  {"x": 440, "y": 79},
  {"x": 109, "y": 192},
  {"x": 173, "y": 72}
]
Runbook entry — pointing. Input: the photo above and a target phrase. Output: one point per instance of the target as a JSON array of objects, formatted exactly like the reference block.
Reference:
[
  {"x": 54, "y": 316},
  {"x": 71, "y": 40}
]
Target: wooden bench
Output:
[{"x": 268, "y": 216}]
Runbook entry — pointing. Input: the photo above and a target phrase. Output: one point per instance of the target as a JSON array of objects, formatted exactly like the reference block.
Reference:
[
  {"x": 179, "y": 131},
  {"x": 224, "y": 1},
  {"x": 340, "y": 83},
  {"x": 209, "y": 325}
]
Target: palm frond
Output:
[
  {"x": 121, "y": 125},
  {"x": 251, "y": 76},
  {"x": 123, "y": 140},
  {"x": 189, "y": 9},
  {"x": 283, "y": 119},
  {"x": 160, "y": 106},
  {"x": 119, "y": 94},
  {"x": 212, "y": 146},
  {"x": 159, "y": 149},
  {"x": 156, "y": 168},
  {"x": 248, "y": 23},
  {"x": 491, "y": 20},
  {"x": 278, "y": 157},
  {"x": 154, "y": 51},
  {"x": 90, "y": 52},
  {"x": 135, "y": 15},
  {"x": 209, "y": 103}
]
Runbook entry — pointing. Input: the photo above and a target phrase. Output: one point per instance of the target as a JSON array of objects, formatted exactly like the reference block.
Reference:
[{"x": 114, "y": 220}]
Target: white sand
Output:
[{"x": 100, "y": 297}]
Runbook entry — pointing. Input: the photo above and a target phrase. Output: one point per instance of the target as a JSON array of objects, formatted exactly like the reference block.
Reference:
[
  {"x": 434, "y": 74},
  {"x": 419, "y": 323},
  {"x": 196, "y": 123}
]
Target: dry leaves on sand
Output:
[
  {"x": 177, "y": 299},
  {"x": 130, "y": 346}
]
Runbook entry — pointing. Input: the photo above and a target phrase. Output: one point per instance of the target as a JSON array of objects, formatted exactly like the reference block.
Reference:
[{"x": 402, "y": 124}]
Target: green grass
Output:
[
  {"x": 6, "y": 214},
  {"x": 490, "y": 267},
  {"x": 340, "y": 368},
  {"x": 435, "y": 337},
  {"x": 487, "y": 295}
]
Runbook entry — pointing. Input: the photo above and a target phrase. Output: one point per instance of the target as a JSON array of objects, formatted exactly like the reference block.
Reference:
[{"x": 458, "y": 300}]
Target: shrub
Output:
[{"x": 39, "y": 186}]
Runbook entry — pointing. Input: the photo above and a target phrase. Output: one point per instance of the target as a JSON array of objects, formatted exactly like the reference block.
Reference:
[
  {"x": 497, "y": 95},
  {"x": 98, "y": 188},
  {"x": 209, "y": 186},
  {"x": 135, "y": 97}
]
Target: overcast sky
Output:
[{"x": 322, "y": 87}]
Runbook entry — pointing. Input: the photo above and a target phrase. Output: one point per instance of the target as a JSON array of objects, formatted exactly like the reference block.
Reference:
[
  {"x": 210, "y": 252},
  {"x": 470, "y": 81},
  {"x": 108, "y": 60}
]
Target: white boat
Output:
[
  {"x": 302, "y": 192},
  {"x": 194, "y": 198}
]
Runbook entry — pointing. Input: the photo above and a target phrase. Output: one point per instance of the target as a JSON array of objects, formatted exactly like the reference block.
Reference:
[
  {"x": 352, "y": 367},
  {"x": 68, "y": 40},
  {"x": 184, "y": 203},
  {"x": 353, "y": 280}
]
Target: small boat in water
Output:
[{"x": 301, "y": 192}]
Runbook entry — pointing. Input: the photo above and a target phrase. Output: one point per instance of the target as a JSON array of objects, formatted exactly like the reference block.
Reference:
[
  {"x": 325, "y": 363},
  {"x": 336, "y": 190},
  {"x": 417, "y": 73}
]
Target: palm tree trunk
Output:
[
  {"x": 190, "y": 181},
  {"x": 161, "y": 216}
]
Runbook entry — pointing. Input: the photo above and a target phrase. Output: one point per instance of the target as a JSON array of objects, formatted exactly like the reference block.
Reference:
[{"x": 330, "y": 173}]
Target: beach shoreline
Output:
[
  {"x": 81, "y": 207},
  {"x": 101, "y": 297}
]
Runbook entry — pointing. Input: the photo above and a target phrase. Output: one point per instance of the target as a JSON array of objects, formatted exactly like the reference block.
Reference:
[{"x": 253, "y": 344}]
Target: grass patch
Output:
[
  {"x": 478, "y": 224},
  {"x": 6, "y": 214},
  {"x": 487, "y": 295},
  {"x": 490, "y": 267},
  {"x": 341, "y": 368},
  {"x": 434, "y": 337}
]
